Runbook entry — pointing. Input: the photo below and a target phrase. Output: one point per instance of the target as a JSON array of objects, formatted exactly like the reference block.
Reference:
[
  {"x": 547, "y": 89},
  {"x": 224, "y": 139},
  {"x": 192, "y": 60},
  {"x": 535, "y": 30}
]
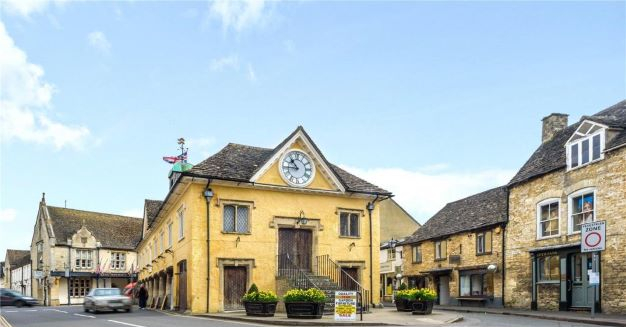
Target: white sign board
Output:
[
  {"x": 594, "y": 278},
  {"x": 345, "y": 305},
  {"x": 38, "y": 274},
  {"x": 593, "y": 236}
]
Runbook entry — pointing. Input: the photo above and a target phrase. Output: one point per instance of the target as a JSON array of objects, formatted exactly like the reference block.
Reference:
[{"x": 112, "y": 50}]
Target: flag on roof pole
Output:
[
  {"x": 171, "y": 160},
  {"x": 181, "y": 157}
]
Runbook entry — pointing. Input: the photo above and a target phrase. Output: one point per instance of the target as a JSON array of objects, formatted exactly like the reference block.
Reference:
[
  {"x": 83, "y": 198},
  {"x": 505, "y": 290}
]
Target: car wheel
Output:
[
  {"x": 128, "y": 310},
  {"x": 85, "y": 308},
  {"x": 19, "y": 304}
]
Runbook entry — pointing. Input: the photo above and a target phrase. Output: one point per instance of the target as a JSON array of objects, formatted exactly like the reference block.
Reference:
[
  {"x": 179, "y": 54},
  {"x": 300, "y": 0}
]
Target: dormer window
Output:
[{"x": 586, "y": 145}]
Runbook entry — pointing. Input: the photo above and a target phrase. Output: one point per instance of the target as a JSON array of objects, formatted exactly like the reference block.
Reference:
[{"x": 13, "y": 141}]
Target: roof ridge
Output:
[
  {"x": 88, "y": 211},
  {"x": 248, "y": 146},
  {"x": 477, "y": 194}
]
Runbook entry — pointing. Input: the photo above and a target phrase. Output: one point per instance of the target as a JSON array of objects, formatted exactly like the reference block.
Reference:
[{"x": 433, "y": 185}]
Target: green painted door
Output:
[{"x": 581, "y": 291}]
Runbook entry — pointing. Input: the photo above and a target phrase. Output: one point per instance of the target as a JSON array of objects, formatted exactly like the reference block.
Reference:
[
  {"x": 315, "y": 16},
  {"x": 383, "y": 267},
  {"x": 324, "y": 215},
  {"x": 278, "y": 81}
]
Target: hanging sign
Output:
[
  {"x": 593, "y": 236},
  {"x": 345, "y": 305}
]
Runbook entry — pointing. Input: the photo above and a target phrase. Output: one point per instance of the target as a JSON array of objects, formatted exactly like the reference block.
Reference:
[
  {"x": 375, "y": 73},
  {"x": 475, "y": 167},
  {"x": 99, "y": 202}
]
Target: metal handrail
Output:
[
  {"x": 287, "y": 268},
  {"x": 327, "y": 267}
]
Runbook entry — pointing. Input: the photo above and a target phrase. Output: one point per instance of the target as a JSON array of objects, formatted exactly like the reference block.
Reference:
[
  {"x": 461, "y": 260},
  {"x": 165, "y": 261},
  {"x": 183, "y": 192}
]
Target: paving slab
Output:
[{"x": 377, "y": 317}]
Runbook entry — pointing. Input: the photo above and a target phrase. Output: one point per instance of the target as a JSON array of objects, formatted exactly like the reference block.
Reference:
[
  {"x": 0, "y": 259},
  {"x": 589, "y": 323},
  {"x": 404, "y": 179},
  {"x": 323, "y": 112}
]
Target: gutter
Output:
[{"x": 208, "y": 242}]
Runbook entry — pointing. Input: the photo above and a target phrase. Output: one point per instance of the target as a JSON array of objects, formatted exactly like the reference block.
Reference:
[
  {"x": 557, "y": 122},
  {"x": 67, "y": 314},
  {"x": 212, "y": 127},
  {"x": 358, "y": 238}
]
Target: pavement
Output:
[
  {"x": 568, "y": 316},
  {"x": 378, "y": 317}
]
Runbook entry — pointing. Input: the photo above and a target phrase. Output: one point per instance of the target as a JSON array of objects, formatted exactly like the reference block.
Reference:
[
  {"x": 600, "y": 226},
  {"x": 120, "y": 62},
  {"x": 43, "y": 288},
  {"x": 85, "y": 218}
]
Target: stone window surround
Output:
[
  {"x": 543, "y": 203},
  {"x": 414, "y": 249},
  {"x": 484, "y": 233},
  {"x": 442, "y": 256},
  {"x": 570, "y": 197},
  {"x": 358, "y": 213},
  {"x": 237, "y": 203}
]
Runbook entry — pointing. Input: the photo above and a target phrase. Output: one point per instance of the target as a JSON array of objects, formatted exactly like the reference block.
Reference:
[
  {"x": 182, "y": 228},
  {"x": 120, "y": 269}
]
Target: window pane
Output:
[
  {"x": 242, "y": 219},
  {"x": 465, "y": 285},
  {"x": 585, "y": 152},
  {"x": 229, "y": 218},
  {"x": 477, "y": 284},
  {"x": 545, "y": 212},
  {"x": 480, "y": 243},
  {"x": 354, "y": 224},
  {"x": 596, "y": 147},
  {"x": 574, "y": 153},
  {"x": 488, "y": 242},
  {"x": 343, "y": 224}
]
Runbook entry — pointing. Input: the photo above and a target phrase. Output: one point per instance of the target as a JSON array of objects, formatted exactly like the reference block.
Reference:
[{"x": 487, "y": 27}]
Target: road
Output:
[{"x": 73, "y": 316}]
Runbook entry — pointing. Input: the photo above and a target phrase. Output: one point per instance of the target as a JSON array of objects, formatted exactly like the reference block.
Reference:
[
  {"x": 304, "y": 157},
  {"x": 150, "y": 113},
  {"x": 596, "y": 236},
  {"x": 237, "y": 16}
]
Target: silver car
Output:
[{"x": 100, "y": 299}]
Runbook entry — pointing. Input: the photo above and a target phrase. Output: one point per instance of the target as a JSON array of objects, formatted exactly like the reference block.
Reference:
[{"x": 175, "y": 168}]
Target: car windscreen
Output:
[{"x": 107, "y": 292}]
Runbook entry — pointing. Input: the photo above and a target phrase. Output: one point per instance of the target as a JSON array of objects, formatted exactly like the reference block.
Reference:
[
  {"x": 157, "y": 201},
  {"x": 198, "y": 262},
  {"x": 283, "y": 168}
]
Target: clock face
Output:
[{"x": 296, "y": 168}]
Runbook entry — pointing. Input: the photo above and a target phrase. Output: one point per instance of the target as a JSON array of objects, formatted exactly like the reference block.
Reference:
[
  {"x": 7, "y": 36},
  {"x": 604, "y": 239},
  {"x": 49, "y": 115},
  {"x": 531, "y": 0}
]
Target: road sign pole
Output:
[{"x": 594, "y": 267}]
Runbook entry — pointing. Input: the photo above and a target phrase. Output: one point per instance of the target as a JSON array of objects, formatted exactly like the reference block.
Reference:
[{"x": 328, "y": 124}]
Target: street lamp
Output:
[{"x": 302, "y": 220}]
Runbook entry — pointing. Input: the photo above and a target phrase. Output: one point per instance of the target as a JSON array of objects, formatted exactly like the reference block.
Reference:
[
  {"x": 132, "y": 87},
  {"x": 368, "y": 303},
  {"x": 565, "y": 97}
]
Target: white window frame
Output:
[
  {"x": 118, "y": 260},
  {"x": 170, "y": 234},
  {"x": 538, "y": 210},
  {"x": 181, "y": 222},
  {"x": 570, "y": 197},
  {"x": 391, "y": 254},
  {"x": 85, "y": 262},
  {"x": 438, "y": 250},
  {"x": 589, "y": 137}
]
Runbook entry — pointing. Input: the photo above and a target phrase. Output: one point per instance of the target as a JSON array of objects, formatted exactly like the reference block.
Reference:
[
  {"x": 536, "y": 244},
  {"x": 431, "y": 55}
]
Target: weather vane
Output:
[{"x": 181, "y": 157}]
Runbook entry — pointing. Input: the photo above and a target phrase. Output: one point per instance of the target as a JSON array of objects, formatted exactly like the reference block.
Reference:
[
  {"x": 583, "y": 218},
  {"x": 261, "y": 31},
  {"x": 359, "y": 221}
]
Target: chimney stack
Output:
[{"x": 552, "y": 124}]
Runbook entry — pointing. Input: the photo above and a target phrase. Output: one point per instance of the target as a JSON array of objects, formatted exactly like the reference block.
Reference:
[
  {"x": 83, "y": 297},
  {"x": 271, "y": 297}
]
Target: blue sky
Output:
[{"x": 431, "y": 100}]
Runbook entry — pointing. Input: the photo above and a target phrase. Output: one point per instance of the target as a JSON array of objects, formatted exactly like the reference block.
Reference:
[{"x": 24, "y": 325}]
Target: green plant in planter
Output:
[
  {"x": 253, "y": 289},
  {"x": 310, "y": 295},
  {"x": 405, "y": 294},
  {"x": 402, "y": 287},
  {"x": 260, "y": 296},
  {"x": 425, "y": 294}
]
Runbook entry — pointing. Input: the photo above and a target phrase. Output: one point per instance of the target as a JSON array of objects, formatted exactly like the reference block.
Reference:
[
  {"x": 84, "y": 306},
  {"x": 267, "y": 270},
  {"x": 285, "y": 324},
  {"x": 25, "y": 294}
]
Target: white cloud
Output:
[
  {"x": 134, "y": 212},
  {"x": 251, "y": 73},
  {"x": 25, "y": 99},
  {"x": 239, "y": 14},
  {"x": 27, "y": 7},
  {"x": 99, "y": 42},
  {"x": 7, "y": 215},
  {"x": 220, "y": 64},
  {"x": 200, "y": 147},
  {"x": 425, "y": 191}
]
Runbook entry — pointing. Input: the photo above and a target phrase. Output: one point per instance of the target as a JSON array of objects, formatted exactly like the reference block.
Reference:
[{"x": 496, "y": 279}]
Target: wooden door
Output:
[
  {"x": 182, "y": 285},
  {"x": 350, "y": 279},
  {"x": 580, "y": 289},
  {"x": 235, "y": 284},
  {"x": 298, "y": 245}
]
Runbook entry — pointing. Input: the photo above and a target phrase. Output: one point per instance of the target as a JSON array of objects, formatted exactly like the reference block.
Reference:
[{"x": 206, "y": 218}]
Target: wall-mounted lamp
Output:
[
  {"x": 208, "y": 195},
  {"x": 492, "y": 268},
  {"x": 351, "y": 246},
  {"x": 302, "y": 220}
]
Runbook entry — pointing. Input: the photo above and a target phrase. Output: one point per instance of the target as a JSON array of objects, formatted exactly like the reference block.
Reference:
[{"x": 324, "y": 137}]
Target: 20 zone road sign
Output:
[{"x": 593, "y": 236}]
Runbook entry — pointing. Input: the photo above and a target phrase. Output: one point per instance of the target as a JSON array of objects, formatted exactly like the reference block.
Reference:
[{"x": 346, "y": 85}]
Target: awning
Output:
[
  {"x": 555, "y": 247},
  {"x": 439, "y": 271}
]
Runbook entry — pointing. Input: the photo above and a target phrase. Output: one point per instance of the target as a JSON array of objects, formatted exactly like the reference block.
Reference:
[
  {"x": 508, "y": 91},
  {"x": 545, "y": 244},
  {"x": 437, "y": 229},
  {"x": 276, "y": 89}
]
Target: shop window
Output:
[
  {"x": 79, "y": 287},
  {"x": 548, "y": 218},
  {"x": 349, "y": 224},
  {"x": 549, "y": 268},
  {"x": 236, "y": 219},
  {"x": 475, "y": 283},
  {"x": 582, "y": 209}
]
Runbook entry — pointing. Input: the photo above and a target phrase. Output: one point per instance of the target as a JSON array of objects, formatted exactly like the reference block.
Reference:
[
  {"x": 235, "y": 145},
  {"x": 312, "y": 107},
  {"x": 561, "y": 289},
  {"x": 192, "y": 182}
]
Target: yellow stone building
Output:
[{"x": 255, "y": 215}]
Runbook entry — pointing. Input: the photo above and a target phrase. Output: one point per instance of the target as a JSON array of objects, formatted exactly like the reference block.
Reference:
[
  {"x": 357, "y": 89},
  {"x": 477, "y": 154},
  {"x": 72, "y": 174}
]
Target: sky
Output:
[{"x": 433, "y": 101}]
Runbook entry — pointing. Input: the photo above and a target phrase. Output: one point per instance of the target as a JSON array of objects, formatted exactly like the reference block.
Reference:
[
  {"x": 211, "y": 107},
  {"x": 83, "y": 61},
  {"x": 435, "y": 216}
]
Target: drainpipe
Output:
[
  {"x": 208, "y": 195},
  {"x": 370, "y": 208}
]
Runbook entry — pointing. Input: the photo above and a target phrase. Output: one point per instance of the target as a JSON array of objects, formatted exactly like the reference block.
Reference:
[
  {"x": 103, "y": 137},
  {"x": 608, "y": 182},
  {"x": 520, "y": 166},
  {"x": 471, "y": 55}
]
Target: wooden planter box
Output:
[
  {"x": 403, "y": 305},
  {"x": 422, "y": 307},
  {"x": 260, "y": 309},
  {"x": 304, "y": 310}
]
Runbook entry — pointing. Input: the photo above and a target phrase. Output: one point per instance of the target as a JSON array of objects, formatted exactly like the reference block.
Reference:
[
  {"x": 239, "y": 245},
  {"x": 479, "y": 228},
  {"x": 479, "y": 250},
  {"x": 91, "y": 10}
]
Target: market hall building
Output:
[
  {"x": 577, "y": 175},
  {"x": 74, "y": 251},
  {"x": 251, "y": 215}
]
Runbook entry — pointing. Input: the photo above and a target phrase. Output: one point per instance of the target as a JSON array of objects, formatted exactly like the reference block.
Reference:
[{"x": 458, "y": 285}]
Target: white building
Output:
[
  {"x": 390, "y": 268},
  {"x": 17, "y": 273}
]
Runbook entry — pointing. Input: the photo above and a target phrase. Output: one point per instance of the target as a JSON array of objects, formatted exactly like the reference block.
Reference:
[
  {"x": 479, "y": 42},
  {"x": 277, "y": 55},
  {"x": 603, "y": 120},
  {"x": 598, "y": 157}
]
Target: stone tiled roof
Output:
[
  {"x": 112, "y": 231},
  {"x": 550, "y": 156},
  {"x": 239, "y": 162},
  {"x": 17, "y": 258},
  {"x": 151, "y": 208},
  {"x": 484, "y": 209}
]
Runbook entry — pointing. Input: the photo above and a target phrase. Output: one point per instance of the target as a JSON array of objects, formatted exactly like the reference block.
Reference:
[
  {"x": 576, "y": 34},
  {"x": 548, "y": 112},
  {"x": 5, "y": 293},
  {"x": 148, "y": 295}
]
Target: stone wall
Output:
[
  {"x": 608, "y": 178},
  {"x": 548, "y": 297}
]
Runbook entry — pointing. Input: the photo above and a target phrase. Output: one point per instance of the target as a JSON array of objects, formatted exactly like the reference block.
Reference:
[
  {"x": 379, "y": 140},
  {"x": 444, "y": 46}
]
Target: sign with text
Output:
[
  {"x": 345, "y": 305},
  {"x": 593, "y": 236},
  {"x": 38, "y": 274}
]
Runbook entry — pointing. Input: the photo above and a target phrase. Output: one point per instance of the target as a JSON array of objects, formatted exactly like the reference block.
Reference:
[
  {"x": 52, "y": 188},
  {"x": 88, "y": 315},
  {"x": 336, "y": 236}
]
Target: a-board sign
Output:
[{"x": 345, "y": 305}]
